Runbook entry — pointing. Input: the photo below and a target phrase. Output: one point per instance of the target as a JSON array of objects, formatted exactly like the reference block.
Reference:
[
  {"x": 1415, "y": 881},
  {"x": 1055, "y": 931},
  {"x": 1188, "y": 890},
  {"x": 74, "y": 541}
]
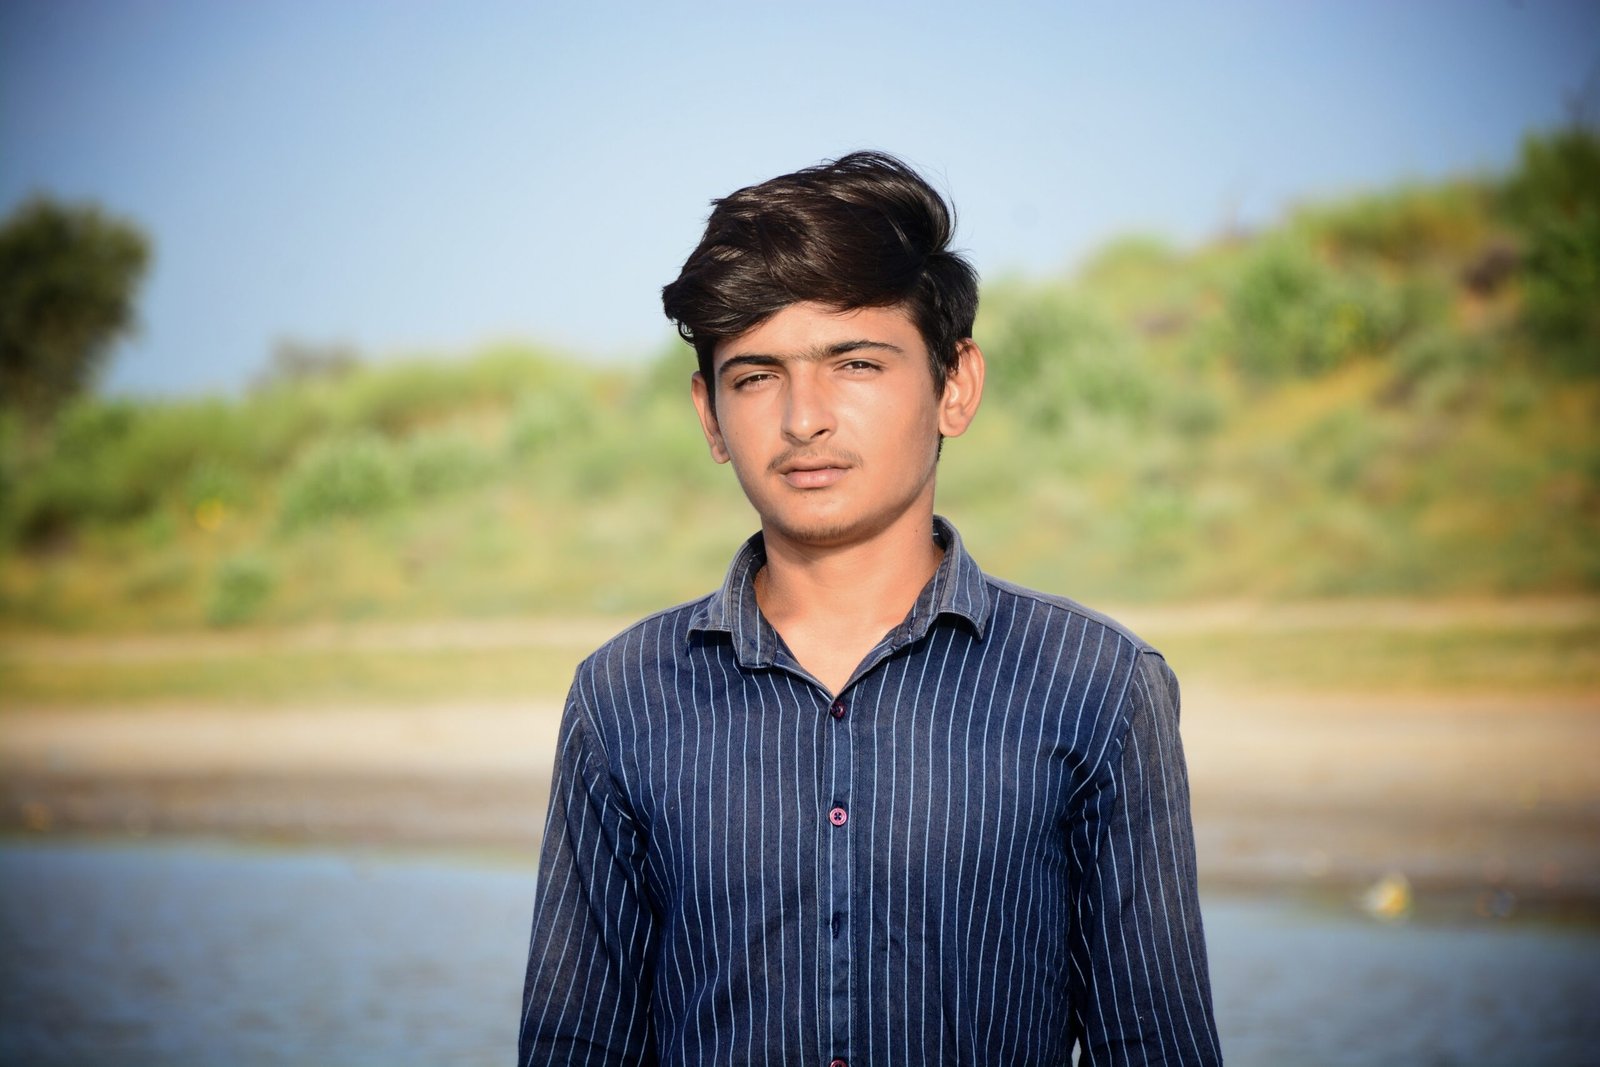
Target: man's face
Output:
[{"x": 831, "y": 421}]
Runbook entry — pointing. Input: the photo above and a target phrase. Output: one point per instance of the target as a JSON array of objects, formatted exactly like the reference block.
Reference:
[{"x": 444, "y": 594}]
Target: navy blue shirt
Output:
[{"x": 978, "y": 851}]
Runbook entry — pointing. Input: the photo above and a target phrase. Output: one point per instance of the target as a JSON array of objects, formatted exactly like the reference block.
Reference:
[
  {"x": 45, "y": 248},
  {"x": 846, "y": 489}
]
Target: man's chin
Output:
[
  {"x": 827, "y": 530},
  {"x": 814, "y": 531}
]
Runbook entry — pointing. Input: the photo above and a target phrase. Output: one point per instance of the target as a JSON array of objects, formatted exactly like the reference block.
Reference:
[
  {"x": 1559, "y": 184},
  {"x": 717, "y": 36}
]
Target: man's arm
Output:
[
  {"x": 1141, "y": 985},
  {"x": 586, "y": 997}
]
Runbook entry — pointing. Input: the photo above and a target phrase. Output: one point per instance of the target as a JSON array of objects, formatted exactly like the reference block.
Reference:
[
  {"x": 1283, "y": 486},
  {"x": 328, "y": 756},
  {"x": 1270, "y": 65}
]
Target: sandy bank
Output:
[{"x": 1491, "y": 790}]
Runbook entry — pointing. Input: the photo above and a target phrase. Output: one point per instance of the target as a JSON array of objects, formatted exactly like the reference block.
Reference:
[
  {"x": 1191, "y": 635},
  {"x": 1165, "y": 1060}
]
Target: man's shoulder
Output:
[
  {"x": 661, "y": 634},
  {"x": 1071, "y": 612},
  {"x": 1123, "y": 661}
]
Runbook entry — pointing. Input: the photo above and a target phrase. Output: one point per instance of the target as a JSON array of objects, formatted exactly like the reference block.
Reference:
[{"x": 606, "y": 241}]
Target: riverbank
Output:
[{"x": 1492, "y": 797}]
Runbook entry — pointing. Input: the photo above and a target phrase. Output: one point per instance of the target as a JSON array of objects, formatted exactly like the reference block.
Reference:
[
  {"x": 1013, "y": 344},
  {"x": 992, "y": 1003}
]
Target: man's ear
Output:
[
  {"x": 700, "y": 390},
  {"x": 963, "y": 389}
]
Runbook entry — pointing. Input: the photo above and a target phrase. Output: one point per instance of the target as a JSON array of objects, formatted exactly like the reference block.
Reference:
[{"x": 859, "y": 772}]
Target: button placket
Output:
[{"x": 836, "y": 842}]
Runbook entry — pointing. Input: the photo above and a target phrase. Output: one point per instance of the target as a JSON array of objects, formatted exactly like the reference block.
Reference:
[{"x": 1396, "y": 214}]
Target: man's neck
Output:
[{"x": 832, "y": 604}]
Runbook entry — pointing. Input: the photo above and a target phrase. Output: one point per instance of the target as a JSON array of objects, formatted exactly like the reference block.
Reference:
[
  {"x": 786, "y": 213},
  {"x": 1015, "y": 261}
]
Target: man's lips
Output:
[
  {"x": 813, "y": 477},
  {"x": 813, "y": 472}
]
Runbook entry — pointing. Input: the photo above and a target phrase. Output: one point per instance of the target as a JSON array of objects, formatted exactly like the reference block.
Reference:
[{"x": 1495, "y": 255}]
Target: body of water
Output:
[{"x": 182, "y": 953}]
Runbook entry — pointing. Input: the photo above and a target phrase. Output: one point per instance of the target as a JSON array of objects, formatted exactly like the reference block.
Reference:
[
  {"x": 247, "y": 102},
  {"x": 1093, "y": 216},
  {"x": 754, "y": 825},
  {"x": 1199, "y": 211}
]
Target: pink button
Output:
[
  {"x": 837, "y": 1063},
  {"x": 838, "y": 816},
  {"x": 837, "y": 710}
]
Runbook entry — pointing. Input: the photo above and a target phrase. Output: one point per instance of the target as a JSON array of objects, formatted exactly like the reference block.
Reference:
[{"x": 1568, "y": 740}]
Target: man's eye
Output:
[
  {"x": 750, "y": 379},
  {"x": 860, "y": 364}
]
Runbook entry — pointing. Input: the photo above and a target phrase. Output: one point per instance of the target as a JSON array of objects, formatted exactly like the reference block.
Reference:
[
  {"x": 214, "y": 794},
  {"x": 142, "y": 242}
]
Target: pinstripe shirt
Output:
[{"x": 978, "y": 851}]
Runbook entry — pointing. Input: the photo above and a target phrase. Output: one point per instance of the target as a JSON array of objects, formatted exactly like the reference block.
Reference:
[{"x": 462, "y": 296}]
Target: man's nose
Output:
[{"x": 807, "y": 409}]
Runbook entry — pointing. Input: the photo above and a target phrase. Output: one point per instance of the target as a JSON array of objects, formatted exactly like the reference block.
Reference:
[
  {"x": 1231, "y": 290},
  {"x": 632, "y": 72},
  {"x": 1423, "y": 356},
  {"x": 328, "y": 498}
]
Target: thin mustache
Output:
[{"x": 836, "y": 458}]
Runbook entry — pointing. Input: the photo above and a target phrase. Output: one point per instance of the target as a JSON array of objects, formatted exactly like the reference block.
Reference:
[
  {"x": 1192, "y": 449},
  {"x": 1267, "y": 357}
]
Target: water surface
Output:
[{"x": 195, "y": 954}]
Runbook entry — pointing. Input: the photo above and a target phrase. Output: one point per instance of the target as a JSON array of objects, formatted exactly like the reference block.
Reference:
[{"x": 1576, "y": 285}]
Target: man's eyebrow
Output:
[{"x": 810, "y": 355}]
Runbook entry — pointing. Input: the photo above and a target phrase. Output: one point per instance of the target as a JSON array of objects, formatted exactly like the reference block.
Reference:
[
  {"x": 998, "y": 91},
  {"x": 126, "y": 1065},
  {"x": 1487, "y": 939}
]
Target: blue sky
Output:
[{"x": 405, "y": 176}]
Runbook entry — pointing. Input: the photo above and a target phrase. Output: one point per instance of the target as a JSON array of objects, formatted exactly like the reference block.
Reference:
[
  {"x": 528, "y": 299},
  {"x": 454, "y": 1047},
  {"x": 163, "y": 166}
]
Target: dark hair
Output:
[{"x": 862, "y": 231}]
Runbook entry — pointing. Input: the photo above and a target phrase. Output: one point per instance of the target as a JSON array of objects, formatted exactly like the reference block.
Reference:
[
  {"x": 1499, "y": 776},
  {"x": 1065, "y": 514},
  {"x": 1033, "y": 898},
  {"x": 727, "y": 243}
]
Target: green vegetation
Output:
[
  {"x": 1393, "y": 395},
  {"x": 68, "y": 275}
]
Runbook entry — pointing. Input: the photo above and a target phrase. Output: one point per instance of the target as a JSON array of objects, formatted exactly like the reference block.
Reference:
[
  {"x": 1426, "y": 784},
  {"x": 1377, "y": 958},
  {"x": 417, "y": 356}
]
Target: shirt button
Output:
[
  {"x": 837, "y": 1063},
  {"x": 837, "y": 816},
  {"x": 837, "y": 710}
]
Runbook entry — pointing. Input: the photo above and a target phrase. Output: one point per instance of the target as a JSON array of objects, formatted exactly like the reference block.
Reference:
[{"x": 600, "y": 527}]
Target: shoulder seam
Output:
[{"x": 1072, "y": 606}]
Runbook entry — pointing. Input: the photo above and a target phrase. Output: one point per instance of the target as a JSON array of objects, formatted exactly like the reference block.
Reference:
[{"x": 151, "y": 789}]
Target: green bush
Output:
[
  {"x": 213, "y": 482},
  {"x": 441, "y": 462},
  {"x": 1053, "y": 355},
  {"x": 543, "y": 417},
  {"x": 1562, "y": 293},
  {"x": 115, "y": 460},
  {"x": 351, "y": 476},
  {"x": 1290, "y": 315},
  {"x": 91, "y": 429},
  {"x": 80, "y": 478},
  {"x": 240, "y": 588},
  {"x": 56, "y": 501}
]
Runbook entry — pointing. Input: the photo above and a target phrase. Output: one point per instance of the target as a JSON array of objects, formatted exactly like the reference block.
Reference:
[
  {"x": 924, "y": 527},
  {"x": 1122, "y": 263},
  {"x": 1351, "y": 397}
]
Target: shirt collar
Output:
[{"x": 957, "y": 590}]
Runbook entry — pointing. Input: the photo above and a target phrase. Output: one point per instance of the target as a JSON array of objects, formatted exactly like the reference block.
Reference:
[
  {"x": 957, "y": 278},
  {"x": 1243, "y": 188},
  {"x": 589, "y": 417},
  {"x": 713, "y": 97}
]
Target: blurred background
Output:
[{"x": 338, "y": 421}]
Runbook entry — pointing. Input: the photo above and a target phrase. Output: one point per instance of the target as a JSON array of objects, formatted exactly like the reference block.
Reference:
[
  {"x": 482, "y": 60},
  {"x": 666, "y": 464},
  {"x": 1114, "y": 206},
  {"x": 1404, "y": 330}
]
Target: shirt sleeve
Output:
[
  {"x": 1141, "y": 984},
  {"x": 586, "y": 997}
]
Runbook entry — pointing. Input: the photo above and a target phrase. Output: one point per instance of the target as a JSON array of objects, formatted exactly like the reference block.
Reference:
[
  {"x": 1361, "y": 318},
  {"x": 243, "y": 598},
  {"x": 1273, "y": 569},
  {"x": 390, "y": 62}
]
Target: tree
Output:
[{"x": 68, "y": 277}]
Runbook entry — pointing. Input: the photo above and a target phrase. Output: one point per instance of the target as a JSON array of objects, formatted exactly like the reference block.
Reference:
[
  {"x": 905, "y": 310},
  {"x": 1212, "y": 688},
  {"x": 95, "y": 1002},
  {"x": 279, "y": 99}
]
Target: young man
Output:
[{"x": 864, "y": 804}]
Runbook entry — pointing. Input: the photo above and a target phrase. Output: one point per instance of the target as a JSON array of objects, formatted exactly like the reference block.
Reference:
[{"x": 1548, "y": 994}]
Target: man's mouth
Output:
[
  {"x": 813, "y": 477},
  {"x": 813, "y": 472}
]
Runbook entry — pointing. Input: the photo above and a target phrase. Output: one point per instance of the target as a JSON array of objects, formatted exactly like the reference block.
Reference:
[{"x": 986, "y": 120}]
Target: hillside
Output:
[{"x": 1391, "y": 395}]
